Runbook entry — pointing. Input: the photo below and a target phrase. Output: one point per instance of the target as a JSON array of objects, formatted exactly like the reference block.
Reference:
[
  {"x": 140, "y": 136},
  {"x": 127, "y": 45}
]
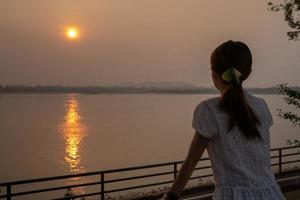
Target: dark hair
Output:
[{"x": 236, "y": 54}]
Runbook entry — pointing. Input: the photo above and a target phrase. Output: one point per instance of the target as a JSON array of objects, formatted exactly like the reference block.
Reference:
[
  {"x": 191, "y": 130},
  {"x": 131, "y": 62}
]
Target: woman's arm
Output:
[{"x": 196, "y": 149}]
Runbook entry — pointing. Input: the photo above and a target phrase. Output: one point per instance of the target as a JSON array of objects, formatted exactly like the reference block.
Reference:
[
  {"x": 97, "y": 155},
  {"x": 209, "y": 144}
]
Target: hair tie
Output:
[{"x": 232, "y": 73}]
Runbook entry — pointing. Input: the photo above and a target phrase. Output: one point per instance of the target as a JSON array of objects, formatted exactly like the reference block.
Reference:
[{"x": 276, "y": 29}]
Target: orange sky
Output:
[{"x": 139, "y": 40}]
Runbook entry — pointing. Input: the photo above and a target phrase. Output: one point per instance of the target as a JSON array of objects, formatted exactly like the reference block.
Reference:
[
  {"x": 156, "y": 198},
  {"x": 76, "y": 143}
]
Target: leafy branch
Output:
[
  {"x": 291, "y": 97},
  {"x": 291, "y": 10}
]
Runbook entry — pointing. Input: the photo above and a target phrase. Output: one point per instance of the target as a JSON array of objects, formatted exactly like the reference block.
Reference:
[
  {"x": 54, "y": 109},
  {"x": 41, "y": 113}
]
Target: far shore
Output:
[{"x": 123, "y": 90}]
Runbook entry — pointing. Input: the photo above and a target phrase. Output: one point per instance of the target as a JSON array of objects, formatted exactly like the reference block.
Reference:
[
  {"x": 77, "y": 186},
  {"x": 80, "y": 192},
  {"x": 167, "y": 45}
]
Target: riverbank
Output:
[{"x": 124, "y": 90}]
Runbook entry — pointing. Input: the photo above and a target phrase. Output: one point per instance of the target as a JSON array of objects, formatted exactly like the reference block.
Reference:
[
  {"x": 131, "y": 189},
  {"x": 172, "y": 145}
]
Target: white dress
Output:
[{"x": 241, "y": 168}]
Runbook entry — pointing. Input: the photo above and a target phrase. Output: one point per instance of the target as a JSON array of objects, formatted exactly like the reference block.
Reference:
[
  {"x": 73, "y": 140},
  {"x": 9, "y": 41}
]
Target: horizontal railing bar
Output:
[
  {"x": 137, "y": 177},
  {"x": 275, "y": 164},
  {"x": 128, "y": 178},
  {"x": 78, "y": 196},
  {"x": 277, "y": 156},
  {"x": 202, "y": 159},
  {"x": 292, "y": 161},
  {"x": 286, "y": 162},
  {"x": 202, "y": 176},
  {"x": 94, "y": 183},
  {"x": 92, "y": 173},
  {"x": 285, "y": 155},
  {"x": 54, "y": 188},
  {"x": 112, "y": 170},
  {"x": 284, "y": 148},
  {"x": 204, "y": 167},
  {"x": 139, "y": 186},
  {"x": 290, "y": 154},
  {"x": 53, "y": 178}
]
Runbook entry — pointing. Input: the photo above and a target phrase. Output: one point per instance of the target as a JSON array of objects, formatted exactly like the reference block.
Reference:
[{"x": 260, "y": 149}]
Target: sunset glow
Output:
[
  {"x": 72, "y": 33},
  {"x": 73, "y": 133}
]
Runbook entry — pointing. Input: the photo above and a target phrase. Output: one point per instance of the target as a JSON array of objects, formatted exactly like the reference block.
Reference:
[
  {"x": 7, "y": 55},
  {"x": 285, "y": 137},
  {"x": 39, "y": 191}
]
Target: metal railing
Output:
[{"x": 102, "y": 181}]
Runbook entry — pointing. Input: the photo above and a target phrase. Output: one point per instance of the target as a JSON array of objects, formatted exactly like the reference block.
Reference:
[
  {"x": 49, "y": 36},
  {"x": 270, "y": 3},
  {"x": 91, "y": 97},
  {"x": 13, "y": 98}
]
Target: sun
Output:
[{"x": 72, "y": 33}]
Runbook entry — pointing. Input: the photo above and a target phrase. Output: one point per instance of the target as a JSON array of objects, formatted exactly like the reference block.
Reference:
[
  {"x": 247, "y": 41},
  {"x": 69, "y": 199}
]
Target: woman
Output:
[{"x": 234, "y": 128}]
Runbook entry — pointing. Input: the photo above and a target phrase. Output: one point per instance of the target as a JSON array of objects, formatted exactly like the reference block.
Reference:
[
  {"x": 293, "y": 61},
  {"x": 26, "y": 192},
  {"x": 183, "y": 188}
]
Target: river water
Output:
[{"x": 55, "y": 134}]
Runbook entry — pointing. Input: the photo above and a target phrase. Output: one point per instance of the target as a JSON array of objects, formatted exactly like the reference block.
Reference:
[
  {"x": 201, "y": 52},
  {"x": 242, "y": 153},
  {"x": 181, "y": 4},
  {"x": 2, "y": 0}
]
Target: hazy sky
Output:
[{"x": 139, "y": 40}]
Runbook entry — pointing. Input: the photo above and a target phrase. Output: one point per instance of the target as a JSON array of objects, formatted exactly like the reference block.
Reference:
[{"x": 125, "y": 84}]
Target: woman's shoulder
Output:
[
  {"x": 213, "y": 101},
  {"x": 208, "y": 103},
  {"x": 209, "y": 106},
  {"x": 204, "y": 121},
  {"x": 212, "y": 104}
]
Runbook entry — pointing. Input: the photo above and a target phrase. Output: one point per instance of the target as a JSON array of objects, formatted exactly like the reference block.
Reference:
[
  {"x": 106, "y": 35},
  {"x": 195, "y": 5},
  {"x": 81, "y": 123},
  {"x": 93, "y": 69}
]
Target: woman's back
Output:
[
  {"x": 234, "y": 128},
  {"x": 241, "y": 167}
]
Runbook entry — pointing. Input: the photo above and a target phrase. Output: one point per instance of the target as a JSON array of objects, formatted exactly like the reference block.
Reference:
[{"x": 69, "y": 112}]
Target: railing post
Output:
[
  {"x": 175, "y": 170},
  {"x": 102, "y": 186},
  {"x": 8, "y": 192},
  {"x": 280, "y": 160}
]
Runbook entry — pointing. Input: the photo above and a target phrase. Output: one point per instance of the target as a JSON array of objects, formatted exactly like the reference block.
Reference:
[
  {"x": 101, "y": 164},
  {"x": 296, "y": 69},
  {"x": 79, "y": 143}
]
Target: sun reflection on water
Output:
[{"x": 73, "y": 132}]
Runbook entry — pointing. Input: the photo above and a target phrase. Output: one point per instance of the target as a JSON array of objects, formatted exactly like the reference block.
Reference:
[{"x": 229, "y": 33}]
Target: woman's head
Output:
[
  {"x": 235, "y": 58},
  {"x": 230, "y": 54}
]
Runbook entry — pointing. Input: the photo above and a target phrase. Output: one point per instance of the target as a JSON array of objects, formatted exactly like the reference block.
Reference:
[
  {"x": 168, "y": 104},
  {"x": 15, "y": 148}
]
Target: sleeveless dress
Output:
[{"x": 241, "y": 168}]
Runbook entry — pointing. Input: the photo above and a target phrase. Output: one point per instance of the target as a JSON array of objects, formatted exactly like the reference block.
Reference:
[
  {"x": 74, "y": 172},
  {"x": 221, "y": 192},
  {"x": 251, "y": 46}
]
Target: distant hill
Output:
[
  {"x": 146, "y": 87},
  {"x": 159, "y": 84}
]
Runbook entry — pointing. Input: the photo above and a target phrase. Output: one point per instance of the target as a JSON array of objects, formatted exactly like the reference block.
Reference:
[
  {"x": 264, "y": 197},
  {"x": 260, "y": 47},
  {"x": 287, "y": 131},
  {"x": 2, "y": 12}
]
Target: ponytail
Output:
[
  {"x": 232, "y": 62},
  {"x": 233, "y": 102}
]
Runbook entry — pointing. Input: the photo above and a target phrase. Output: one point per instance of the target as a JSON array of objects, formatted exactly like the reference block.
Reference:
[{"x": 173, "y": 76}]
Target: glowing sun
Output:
[{"x": 72, "y": 33}]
